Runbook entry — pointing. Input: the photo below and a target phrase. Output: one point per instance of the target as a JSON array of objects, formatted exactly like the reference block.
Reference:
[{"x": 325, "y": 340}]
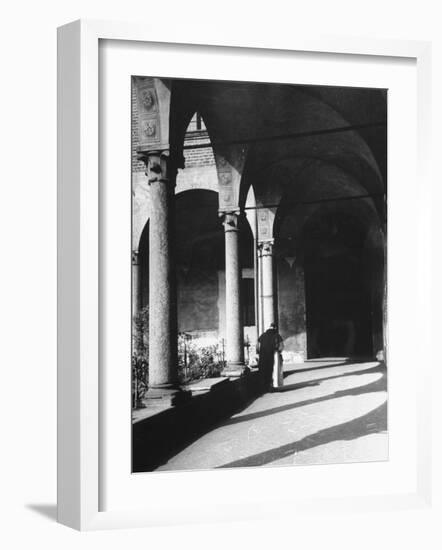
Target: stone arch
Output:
[
  {"x": 313, "y": 182},
  {"x": 310, "y": 124},
  {"x": 200, "y": 262}
]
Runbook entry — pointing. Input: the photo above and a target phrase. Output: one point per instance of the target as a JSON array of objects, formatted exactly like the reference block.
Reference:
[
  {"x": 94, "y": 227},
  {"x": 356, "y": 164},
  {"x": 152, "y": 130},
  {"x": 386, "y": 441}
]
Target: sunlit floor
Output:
[{"x": 328, "y": 411}]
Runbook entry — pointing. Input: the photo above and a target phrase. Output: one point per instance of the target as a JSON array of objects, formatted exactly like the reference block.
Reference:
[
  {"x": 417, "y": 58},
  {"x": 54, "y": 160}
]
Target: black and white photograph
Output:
[
  {"x": 221, "y": 275},
  {"x": 259, "y": 263}
]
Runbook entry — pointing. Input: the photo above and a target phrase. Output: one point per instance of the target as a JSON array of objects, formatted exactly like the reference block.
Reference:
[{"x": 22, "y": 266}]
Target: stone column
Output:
[
  {"x": 267, "y": 290},
  {"x": 135, "y": 299},
  {"x": 257, "y": 266},
  {"x": 135, "y": 284},
  {"x": 163, "y": 354},
  {"x": 259, "y": 290},
  {"x": 234, "y": 325},
  {"x": 383, "y": 233}
]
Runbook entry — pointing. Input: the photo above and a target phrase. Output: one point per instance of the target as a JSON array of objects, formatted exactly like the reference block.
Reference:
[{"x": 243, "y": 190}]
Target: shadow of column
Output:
[{"x": 373, "y": 422}]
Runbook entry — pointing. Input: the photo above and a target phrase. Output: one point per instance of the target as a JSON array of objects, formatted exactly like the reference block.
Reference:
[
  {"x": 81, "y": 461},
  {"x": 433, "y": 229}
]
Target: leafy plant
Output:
[
  {"x": 140, "y": 357},
  {"x": 140, "y": 377},
  {"x": 196, "y": 362}
]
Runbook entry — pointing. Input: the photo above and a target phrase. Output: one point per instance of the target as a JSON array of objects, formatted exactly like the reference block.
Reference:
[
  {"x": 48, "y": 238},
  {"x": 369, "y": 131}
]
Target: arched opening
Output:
[
  {"x": 331, "y": 280},
  {"x": 199, "y": 260},
  {"x": 338, "y": 294},
  {"x": 200, "y": 265}
]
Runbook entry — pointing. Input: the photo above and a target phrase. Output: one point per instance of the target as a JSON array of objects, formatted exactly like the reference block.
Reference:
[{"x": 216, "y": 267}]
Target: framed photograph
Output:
[{"x": 240, "y": 276}]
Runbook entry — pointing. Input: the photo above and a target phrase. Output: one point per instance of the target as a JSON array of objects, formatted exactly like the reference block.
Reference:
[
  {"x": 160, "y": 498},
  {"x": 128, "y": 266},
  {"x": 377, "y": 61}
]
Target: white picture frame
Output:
[{"x": 79, "y": 448}]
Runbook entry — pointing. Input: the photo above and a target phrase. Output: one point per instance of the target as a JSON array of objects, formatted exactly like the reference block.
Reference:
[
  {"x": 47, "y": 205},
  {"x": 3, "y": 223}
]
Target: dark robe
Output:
[{"x": 268, "y": 343}]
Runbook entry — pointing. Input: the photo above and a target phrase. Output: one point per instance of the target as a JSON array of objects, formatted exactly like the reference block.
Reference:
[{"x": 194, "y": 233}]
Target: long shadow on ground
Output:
[
  {"x": 317, "y": 381},
  {"x": 149, "y": 455},
  {"x": 377, "y": 386},
  {"x": 330, "y": 365},
  {"x": 373, "y": 422},
  {"x": 159, "y": 437}
]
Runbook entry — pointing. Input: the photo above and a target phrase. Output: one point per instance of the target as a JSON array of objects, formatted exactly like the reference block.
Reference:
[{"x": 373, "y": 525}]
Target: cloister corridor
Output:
[{"x": 328, "y": 411}]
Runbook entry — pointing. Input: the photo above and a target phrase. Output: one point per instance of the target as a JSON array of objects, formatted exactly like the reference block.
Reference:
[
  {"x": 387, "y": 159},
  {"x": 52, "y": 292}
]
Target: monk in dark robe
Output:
[{"x": 268, "y": 343}]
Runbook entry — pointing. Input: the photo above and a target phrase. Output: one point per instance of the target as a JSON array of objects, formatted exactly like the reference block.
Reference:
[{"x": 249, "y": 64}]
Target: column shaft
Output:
[
  {"x": 267, "y": 286},
  {"x": 163, "y": 355},
  {"x": 385, "y": 266},
  {"x": 234, "y": 325},
  {"x": 135, "y": 303},
  {"x": 257, "y": 265},
  {"x": 135, "y": 285}
]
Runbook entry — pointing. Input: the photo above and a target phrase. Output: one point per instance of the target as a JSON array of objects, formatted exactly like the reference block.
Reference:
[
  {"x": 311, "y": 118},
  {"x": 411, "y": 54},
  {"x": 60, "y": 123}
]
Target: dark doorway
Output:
[{"x": 338, "y": 288}]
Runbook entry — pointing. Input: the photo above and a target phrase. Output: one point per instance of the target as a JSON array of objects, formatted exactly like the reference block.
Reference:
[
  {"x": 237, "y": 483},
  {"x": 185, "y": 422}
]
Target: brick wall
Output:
[
  {"x": 200, "y": 156},
  {"x": 137, "y": 166}
]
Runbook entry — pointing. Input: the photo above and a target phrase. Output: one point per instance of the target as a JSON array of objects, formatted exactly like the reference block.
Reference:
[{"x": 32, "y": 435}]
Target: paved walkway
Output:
[{"x": 327, "y": 412}]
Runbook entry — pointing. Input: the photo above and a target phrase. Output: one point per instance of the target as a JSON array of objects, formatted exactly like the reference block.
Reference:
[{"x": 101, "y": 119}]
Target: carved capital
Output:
[
  {"x": 160, "y": 166},
  {"x": 265, "y": 248},
  {"x": 230, "y": 220},
  {"x": 135, "y": 257}
]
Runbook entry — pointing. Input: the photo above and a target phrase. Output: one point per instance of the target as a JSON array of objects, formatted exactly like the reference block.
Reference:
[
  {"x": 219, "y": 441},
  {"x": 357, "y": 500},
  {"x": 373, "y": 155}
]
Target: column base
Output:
[
  {"x": 166, "y": 386},
  {"x": 235, "y": 369},
  {"x": 166, "y": 395}
]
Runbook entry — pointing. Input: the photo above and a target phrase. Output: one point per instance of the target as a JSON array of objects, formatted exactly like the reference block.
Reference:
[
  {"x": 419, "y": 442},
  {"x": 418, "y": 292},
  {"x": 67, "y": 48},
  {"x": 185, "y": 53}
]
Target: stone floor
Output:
[{"x": 328, "y": 411}]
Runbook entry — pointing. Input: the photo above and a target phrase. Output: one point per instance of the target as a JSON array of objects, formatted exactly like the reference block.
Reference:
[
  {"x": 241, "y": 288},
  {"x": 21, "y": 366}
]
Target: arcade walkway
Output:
[{"x": 327, "y": 412}]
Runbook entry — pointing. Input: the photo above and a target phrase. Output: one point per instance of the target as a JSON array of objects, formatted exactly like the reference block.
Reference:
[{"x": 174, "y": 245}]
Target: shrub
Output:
[
  {"x": 196, "y": 362},
  {"x": 140, "y": 377},
  {"x": 140, "y": 357}
]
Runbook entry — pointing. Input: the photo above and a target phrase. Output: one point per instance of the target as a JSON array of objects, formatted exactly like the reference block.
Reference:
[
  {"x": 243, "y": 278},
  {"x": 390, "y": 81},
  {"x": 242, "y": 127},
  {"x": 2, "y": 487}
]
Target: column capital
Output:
[
  {"x": 265, "y": 248},
  {"x": 161, "y": 166},
  {"x": 230, "y": 220},
  {"x": 135, "y": 257}
]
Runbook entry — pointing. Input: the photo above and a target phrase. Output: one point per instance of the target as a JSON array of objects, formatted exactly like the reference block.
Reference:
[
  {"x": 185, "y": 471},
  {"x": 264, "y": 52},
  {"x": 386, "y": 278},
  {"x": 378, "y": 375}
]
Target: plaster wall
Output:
[
  {"x": 291, "y": 308},
  {"x": 198, "y": 303}
]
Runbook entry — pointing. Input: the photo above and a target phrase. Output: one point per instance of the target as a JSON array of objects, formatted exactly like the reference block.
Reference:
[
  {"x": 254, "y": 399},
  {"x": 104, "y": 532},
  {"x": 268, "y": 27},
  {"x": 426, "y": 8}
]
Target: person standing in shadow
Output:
[{"x": 269, "y": 348}]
